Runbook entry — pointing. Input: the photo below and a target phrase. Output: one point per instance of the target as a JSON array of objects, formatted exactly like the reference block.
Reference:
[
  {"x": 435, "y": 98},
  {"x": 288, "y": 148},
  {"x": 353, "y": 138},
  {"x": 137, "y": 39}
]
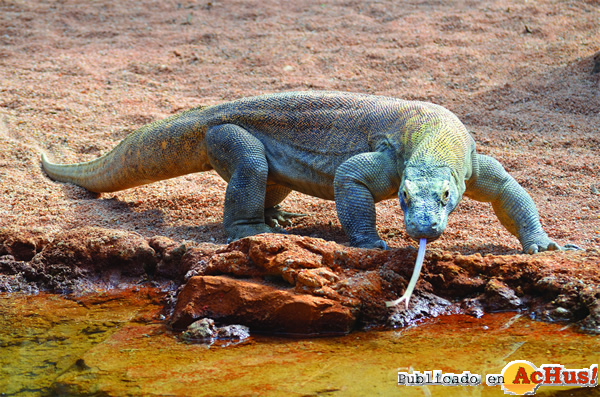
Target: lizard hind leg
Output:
[
  {"x": 239, "y": 158},
  {"x": 274, "y": 215}
]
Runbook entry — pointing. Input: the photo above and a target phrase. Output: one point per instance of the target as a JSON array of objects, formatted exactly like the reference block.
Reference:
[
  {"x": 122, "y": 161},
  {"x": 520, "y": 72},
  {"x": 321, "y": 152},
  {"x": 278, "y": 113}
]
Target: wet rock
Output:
[
  {"x": 472, "y": 307},
  {"x": 590, "y": 296},
  {"x": 549, "y": 285},
  {"x": 454, "y": 279},
  {"x": 9, "y": 265},
  {"x": 423, "y": 306},
  {"x": 15, "y": 275},
  {"x": 205, "y": 331},
  {"x": 265, "y": 281},
  {"x": 365, "y": 290},
  {"x": 260, "y": 306},
  {"x": 234, "y": 332},
  {"x": 561, "y": 314},
  {"x": 500, "y": 297},
  {"x": 17, "y": 283},
  {"x": 362, "y": 280}
]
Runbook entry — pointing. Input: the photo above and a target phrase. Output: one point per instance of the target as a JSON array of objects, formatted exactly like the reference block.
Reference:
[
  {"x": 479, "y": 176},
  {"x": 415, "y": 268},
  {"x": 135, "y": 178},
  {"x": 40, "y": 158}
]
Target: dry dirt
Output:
[{"x": 76, "y": 77}]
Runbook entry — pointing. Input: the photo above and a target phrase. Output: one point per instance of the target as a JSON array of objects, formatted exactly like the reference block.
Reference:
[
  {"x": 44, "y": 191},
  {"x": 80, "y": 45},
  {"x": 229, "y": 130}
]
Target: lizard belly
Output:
[{"x": 305, "y": 172}]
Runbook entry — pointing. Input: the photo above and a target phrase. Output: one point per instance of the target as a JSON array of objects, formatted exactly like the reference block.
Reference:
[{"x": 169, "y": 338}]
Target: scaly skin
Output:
[{"x": 352, "y": 148}]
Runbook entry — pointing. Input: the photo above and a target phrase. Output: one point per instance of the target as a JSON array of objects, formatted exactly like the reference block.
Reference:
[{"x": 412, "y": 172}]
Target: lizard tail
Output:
[{"x": 160, "y": 150}]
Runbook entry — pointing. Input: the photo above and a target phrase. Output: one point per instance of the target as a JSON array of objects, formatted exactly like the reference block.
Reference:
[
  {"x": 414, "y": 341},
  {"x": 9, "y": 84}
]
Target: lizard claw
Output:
[
  {"x": 370, "y": 244},
  {"x": 275, "y": 217},
  {"x": 550, "y": 246},
  {"x": 535, "y": 248},
  {"x": 381, "y": 245}
]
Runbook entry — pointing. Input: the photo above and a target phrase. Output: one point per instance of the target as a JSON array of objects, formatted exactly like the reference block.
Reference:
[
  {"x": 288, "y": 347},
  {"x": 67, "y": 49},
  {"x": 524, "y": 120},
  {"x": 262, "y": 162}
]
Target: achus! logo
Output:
[{"x": 521, "y": 377}]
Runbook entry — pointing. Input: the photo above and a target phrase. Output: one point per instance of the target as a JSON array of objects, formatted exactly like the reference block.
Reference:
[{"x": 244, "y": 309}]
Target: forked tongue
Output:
[{"x": 415, "y": 277}]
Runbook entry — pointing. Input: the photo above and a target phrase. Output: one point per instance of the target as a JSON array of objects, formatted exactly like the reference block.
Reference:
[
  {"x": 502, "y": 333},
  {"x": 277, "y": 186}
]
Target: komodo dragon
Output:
[{"x": 352, "y": 148}]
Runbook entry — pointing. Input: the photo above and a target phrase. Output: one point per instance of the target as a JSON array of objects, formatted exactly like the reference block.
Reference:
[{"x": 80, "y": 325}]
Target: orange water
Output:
[{"x": 116, "y": 345}]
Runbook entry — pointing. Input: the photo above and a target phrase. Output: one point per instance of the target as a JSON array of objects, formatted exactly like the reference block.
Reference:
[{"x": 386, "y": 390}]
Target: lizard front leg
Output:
[
  {"x": 512, "y": 204},
  {"x": 359, "y": 183},
  {"x": 239, "y": 158}
]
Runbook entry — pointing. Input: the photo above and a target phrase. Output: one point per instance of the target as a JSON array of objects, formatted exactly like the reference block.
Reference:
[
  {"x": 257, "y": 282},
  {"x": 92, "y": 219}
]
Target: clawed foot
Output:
[
  {"x": 376, "y": 244},
  {"x": 275, "y": 217},
  {"x": 550, "y": 246},
  {"x": 274, "y": 220},
  {"x": 241, "y": 231}
]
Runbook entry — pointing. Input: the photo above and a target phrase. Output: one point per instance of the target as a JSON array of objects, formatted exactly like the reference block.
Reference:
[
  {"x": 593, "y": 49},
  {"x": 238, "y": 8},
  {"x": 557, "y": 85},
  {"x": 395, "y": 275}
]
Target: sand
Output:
[{"x": 75, "y": 78}]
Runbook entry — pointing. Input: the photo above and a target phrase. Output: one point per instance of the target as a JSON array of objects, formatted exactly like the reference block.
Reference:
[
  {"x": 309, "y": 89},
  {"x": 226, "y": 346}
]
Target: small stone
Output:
[
  {"x": 203, "y": 330},
  {"x": 234, "y": 332}
]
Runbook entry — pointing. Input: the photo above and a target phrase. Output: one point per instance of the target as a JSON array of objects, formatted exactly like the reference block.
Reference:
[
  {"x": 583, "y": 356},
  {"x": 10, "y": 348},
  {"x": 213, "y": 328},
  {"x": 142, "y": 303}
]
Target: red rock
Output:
[
  {"x": 175, "y": 259},
  {"x": 260, "y": 306},
  {"x": 99, "y": 250},
  {"x": 499, "y": 296},
  {"x": 305, "y": 285},
  {"x": 22, "y": 244}
]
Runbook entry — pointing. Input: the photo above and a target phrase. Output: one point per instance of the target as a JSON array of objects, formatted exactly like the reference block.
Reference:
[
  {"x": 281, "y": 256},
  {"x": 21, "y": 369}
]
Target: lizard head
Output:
[{"x": 427, "y": 196}]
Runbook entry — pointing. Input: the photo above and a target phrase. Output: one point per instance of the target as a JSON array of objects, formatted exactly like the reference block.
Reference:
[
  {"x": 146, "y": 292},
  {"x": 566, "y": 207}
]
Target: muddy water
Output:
[{"x": 117, "y": 345}]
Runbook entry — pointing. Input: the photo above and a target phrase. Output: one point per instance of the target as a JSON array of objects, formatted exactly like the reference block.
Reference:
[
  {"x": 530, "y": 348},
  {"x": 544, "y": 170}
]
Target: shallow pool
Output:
[{"x": 116, "y": 344}]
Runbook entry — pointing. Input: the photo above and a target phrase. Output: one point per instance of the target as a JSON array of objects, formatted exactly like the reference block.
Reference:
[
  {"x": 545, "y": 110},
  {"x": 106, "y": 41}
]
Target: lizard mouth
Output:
[
  {"x": 429, "y": 239},
  {"x": 430, "y": 234},
  {"x": 430, "y": 231}
]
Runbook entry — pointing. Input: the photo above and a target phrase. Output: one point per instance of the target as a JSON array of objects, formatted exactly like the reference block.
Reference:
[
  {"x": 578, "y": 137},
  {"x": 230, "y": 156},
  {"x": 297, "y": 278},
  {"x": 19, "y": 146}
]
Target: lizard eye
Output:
[
  {"x": 406, "y": 191},
  {"x": 405, "y": 195},
  {"x": 445, "y": 196}
]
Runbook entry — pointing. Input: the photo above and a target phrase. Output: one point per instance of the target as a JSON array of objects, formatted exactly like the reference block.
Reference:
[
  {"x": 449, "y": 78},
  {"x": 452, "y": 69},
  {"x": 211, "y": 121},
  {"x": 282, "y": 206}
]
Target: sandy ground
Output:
[{"x": 77, "y": 77}]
